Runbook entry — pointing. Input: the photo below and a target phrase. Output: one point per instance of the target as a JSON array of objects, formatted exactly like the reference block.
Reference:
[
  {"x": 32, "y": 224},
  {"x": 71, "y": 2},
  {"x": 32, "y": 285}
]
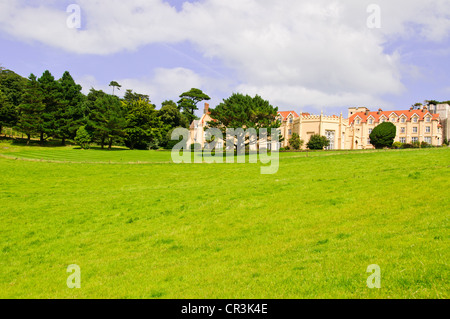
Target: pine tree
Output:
[
  {"x": 31, "y": 111},
  {"x": 51, "y": 93},
  {"x": 107, "y": 119},
  {"x": 69, "y": 115},
  {"x": 189, "y": 101},
  {"x": 8, "y": 112}
]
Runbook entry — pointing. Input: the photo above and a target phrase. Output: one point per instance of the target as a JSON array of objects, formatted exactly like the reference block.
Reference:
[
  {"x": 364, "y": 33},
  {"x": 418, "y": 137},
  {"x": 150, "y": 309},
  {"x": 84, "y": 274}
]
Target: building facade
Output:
[
  {"x": 412, "y": 126},
  {"x": 444, "y": 114},
  {"x": 333, "y": 127},
  {"x": 352, "y": 133}
]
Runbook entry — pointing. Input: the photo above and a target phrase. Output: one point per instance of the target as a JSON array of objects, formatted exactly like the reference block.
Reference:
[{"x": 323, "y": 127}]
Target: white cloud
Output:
[{"x": 312, "y": 52}]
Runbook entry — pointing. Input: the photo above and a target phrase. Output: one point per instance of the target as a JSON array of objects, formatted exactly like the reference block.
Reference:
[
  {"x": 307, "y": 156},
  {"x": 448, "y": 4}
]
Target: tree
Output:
[
  {"x": 107, "y": 119},
  {"x": 171, "y": 118},
  {"x": 31, "y": 120},
  {"x": 8, "y": 112},
  {"x": 130, "y": 96},
  {"x": 114, "y": 85},
  {"x": 383, "y": 135},
  {"x": 318, "y": 142},
  {"x": 189, "y": 101},
  {"x": 243, "y": 111},
  {"x": 296, "y": 142},
  {"x": 13, "y": 86},
  {"x": 52, "y": 99},
  {"x": 69, "y": 115},
  {"x": 83, "y": 138},
  {"x": 432, "y": 102},
  {"x": 143, "y": 125}
]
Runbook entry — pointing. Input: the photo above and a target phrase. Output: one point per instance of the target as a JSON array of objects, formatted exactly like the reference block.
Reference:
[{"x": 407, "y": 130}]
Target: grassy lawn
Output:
[{"x": 161, "y": 230}]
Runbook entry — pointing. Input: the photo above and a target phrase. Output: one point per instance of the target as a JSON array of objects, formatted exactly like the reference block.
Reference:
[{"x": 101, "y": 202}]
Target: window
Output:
[
  {"x": 428, "y": 119},
  {"x": 393, "y": 120},
  {"x": 403, "y": 140},
  {"x": 370, "y": 121},
  {"x": 291, "y": 120},
  {"x": 368, "y": 141},
  {"x": 427, "y": 140},
  {"x": 403, "y": 130},
  {"x": 415, "y": 119},
  {"x": 415, "y": 129},
  {"x": 383, "y": 120},
  {"x": 370, "y": 130},
  {"x": 219, "y": 145},
  {"x": 414, "y": 139},
  {"x": 403, "y": 120},
  {"x": 290, "y": 132},
  {"x": 358, "y": 122},
  {"x": 428, "y": 129}
]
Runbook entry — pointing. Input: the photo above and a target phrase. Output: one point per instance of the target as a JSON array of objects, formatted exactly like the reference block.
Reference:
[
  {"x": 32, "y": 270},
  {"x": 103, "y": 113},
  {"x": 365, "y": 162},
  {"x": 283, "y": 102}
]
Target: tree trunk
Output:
[
  {"x": 42, "y": 138},
  {"x": 103, "y": 142},
  {"x": 110, "y": 143},
  {"x": 63, "y": 142},
  {"x": 1, "y": 130},
  {"x": 28, "y": 139}
]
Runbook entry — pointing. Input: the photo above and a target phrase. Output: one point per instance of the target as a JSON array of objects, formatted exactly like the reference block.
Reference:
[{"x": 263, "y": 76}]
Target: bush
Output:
[
  {"x": 446, "y": 142},
  {"x": 318, "y": 142},
  {"x": 425, "y": 145},
  {"x": 383, "y": 135},
  {"x": 408, "y": 145},
  {"x": 83, "y": 138},
  {"x": 397, "y": 145},
  {"x": 296, "y": 142},
  {"x": 415, "y": 144}
]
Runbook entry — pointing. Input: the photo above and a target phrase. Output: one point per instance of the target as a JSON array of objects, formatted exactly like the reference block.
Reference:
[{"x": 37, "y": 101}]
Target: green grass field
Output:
[{"x": 161, "y": 230}]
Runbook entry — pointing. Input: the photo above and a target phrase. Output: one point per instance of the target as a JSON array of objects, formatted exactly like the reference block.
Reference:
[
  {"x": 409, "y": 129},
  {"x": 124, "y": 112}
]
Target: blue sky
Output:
[{"x": 308, "y": 55}]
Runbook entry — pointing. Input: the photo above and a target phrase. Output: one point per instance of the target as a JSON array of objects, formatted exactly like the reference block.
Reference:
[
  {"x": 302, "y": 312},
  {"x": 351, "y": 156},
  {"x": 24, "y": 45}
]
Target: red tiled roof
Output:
[
  {"x": 377, "y": 115},
  {"x": 285, "y": 114}
]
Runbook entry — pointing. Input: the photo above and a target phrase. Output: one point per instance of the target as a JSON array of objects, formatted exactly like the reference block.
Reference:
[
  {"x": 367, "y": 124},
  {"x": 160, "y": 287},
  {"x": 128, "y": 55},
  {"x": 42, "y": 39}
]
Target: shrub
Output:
[
  {"x": 296, "y": 142},
  {"x": 397, "y": 145},
  {"x": 83, "y": 138},
  {"x": 383, "y": 135},
  {"x": 318, "y": 142},
  {"x": 446, "y": 142},
  {"x": 425, "y": 145},
  {"x": 408, "y": 145},
  {"x": 415, "y": 144}
]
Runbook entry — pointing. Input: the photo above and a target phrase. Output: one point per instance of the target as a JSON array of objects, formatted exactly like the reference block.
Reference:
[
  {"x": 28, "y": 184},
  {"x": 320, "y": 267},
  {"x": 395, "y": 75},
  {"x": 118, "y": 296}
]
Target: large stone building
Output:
[
  {"x": 444, "y": 114},
  {"x": 412, "y": 125},
  {"x": 333, "y": 127}
]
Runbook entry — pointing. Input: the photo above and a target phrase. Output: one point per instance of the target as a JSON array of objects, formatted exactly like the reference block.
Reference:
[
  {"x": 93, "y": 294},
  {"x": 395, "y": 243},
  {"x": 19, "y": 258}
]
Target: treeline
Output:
[{"x": 50, "y": 108}]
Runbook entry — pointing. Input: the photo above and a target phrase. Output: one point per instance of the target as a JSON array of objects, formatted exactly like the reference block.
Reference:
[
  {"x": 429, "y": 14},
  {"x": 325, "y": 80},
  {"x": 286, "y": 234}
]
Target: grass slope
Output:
[{"x": 224, "y": 231}]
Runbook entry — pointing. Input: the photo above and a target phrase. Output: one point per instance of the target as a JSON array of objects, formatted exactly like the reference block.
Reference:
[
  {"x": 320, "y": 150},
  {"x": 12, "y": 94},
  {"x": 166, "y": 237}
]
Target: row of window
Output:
[
  {"x": 415, "y": 129},
  {"x": 393, "y": 120}
]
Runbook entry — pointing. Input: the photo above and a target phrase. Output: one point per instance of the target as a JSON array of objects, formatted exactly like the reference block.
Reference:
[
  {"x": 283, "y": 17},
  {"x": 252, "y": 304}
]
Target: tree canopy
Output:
[
  {"x": 244, "y": 111},
  {"x": 383, "y": 135},
  {"x": 189, "y": 101}
]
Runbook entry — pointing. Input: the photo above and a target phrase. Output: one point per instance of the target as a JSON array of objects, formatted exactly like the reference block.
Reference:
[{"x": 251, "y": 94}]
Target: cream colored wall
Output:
[
  {"x": 306, "y": 126},
  {"x": 361, "y": 133}
]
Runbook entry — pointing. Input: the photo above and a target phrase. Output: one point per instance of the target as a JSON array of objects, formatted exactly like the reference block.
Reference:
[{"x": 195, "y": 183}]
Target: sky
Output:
[{"x": 301, "y": 55}]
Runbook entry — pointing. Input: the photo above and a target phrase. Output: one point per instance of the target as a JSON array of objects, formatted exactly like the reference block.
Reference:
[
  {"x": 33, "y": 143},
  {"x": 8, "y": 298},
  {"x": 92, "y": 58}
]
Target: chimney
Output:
[
  {"x": 411, "y": 108},
  {"x": 206, "y": 108},
  {"x": 367, "y": 112},
  {"x": 379, "y": 111},
  {"x": 425, "y": 109}
]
